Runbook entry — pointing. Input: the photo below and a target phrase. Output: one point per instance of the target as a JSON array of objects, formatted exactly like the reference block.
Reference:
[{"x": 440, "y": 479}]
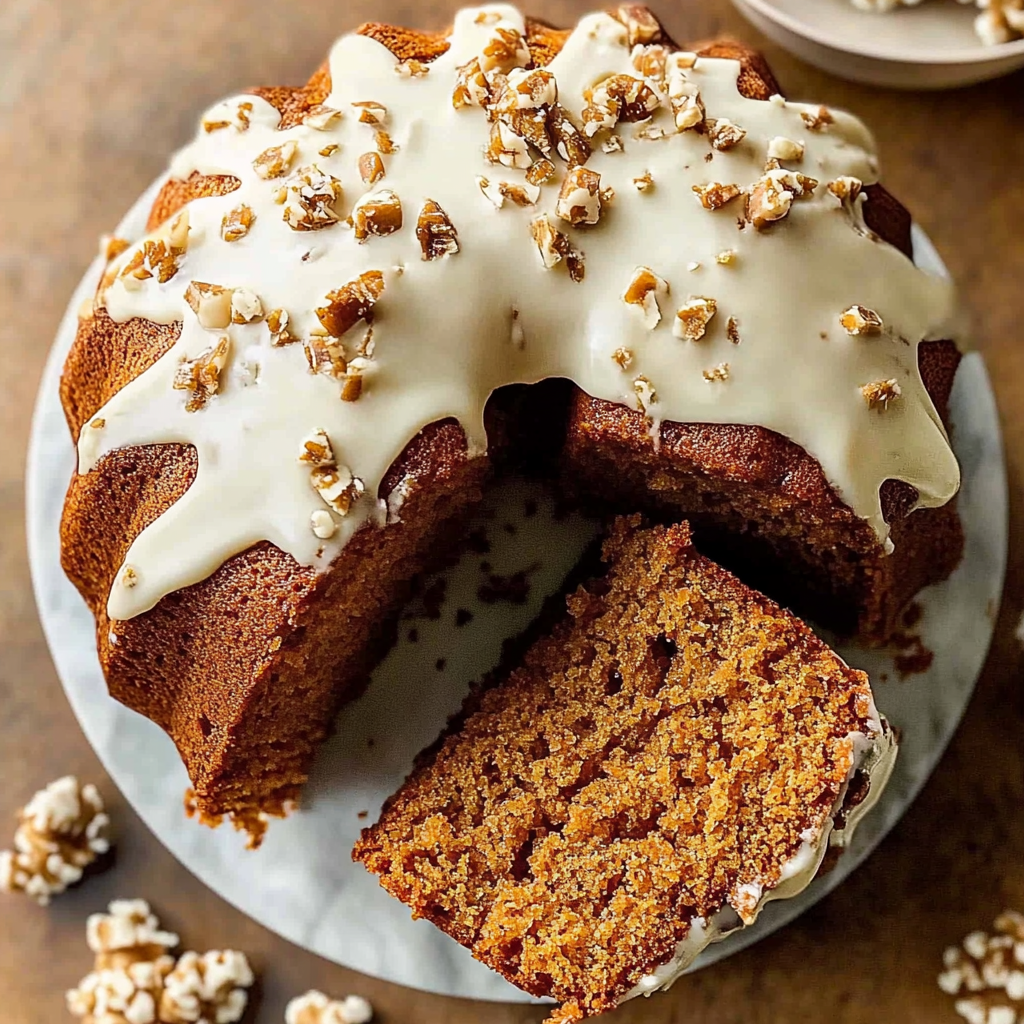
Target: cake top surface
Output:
[{"x": 622, "y": 217}]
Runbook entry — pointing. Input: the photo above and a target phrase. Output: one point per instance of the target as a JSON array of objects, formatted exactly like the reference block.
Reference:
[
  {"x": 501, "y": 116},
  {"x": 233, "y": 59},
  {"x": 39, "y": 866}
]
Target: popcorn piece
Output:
[
  {"x": 781, "y": 148},
  {"x": 508, "y": 148},
  {"x": 276, "y": 161},
  {"x": 236, "y": 223},
  {"x": 371, "y": 113},
  {"x": 716, "y": 373},
  {"x": 280, "y": 333},
  {"x": 555, "y": 247},
  {"x": 127, "y": 995},
  {"x": 61, "y": 831},
  {"x": 846, "y": 188},
  {"x": 532, "y": 89},
  {"x": 859, "y": 320},
  {"x": 817, "y": 122},
  {"x": 316, "y": 449},
  {"x": 498, "y": 191},
  {"x": 617, "y": 98},
  {"x": 246, "y": 307},
  {"x": 580, "y": 198},
  {"x": 211, "y": 304},
  {"x": 412, "y": 69},
  {"x": 471, "y": 86},
  {"x": 878, "y": 394},
  {"x": 540, "y": 172},
  {"x": 715, "y": 195},
  {"x": 210, "y": 988},
  {"x": 436, "y": 233},
  {"x": 313, "y": 197},
  {"x": 506, "y": 49},
  {"x": 351, "y": 303},
  {"x": 644, "y": 183},
  {"x": 723, "y": 133},
  {"x": 201, "y": 376},
  {"x": 371, "y": 168},
  {"x": 337, "y": 486},
  {"x": 642, "y": 291},
  {"x": 322, "y": 524},
  {"x": 693, "y": 317},
  {"x": 315, "y": 1008},
  {"x": 320, "y": 117},
  {"x": 128, "y": 933},
  {"x": 377, "y": 213},
  {"x": 641, "y": 25}
]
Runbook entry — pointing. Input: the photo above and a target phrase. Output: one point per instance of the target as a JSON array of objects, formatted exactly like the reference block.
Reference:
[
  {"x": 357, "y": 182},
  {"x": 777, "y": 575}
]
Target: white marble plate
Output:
[{"x": 301, "y": 883}]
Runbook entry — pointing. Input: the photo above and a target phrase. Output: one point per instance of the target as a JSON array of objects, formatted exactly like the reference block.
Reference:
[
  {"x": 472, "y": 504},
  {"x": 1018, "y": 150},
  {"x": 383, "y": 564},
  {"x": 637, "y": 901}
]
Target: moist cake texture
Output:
[
  {"x": 291, "y": 391},
  {"x": 676, "y": 752}
]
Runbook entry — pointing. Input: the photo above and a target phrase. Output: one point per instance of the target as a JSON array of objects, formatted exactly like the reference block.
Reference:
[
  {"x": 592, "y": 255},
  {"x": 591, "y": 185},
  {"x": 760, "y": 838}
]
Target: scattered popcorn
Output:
[
  {"x": 986, "y": 971},
  {"x": 878, "y": 394},
  {"x": 207, "y": 989},
  {"x": 693, "y": 317},
  {"x": 315, "y": 1008},
  {"x": 61, "y": 831},
  {"x": 859, "y": 320},
  {"x": 436, "y": 233},
  {"x": 201, "y": 376},
  {"x": 642, "y": 291}
]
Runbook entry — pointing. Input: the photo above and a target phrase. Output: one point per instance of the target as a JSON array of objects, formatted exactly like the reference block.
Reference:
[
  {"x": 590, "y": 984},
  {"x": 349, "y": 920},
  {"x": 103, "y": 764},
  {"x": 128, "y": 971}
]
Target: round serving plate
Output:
[
  {"x": 302, "y": 883},
  {"x": 931, "y": 46}
]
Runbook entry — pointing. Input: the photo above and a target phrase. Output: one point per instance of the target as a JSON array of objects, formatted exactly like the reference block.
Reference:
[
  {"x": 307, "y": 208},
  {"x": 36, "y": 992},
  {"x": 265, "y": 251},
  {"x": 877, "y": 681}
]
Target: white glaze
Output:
[{"x": 445, "y": 336}]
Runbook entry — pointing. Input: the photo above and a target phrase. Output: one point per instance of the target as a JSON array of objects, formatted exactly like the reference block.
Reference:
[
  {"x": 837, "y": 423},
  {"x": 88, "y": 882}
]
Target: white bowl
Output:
[{"x": 932, "y": 46}]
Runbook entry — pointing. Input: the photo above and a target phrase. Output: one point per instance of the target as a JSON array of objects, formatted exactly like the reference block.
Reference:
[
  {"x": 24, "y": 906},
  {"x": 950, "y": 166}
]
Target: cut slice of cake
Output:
[{"x": 677, "y": 752}]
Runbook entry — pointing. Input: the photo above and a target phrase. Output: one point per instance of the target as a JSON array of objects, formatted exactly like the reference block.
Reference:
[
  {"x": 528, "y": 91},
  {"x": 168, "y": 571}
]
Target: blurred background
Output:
[{"x": 94, "y": 96}]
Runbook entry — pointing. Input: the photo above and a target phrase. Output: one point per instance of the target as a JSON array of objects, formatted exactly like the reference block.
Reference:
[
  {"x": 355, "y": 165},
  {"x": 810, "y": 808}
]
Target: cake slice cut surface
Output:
[{"x": 674, "y": 754}]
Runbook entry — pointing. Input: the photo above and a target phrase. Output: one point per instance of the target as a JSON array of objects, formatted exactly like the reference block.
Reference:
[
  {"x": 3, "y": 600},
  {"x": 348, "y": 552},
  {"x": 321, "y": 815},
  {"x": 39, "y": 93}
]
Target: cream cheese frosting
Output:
[{"x": 402, "y": 253}]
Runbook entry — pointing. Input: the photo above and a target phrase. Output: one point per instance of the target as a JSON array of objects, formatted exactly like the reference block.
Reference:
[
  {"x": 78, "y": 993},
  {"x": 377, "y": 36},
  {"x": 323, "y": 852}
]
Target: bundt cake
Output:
[
  {"x": 291, "y": 391},
  {"x": 676, "y": 752}
]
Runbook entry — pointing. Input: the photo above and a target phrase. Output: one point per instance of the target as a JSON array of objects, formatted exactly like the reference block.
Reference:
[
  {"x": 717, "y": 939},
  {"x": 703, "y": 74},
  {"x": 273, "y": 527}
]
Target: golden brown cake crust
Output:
[{"x": 212, "y": 694}]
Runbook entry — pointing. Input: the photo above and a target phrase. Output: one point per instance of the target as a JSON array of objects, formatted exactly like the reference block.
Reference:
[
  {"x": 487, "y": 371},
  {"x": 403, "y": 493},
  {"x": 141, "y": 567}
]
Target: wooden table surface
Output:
[{"x": 94, "y": 95}]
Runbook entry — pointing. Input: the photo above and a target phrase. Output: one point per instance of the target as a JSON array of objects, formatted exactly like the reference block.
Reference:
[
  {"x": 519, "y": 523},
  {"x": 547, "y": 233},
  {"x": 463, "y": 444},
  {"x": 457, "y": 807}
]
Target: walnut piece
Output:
[
  {"x": 337, "y": 486},
  {"x": 211, "y": 304},
  {"x": 568, "y": 141},
  {"x": 532, "y": 89},
  {"x": 693, "y": 317},
  {"x": 313, "y": 197},
  {"x": 555, "y": 247},
  {"x": 642, "y": 291},
  {"x": 351, "y": 303},
  {"x": 819, "y": 121},
  {"x": 879, "y": 393},
  {"x": 540, "y": 172},
  {"x": 471, "y": 86},
  {"x": 315, "y": 1008},
  {"x": 320, "y": 117},
  {"x": 846, "y": 188},
  {"x": 617, "y": 98},
  {"x": 278, "y": 322},
  {"x": 371, "y": 113},
  {"x": 506, "y": 147},
  {"x": 436, "y": 233},
  {"x": 580, "y": 197},
  {"x": 715, "y": 195},
  {"x": 641, "y": 25},
  {"x": 859, "y": 320},
  {"x": 723, "y": 133},
  {"x": 377, "y": 213},
  {"x": 384, "y": 143},
  {"x": 200, "y": 377},
  {"x": 246, "y": 307},
  {"x": 276, "y": 161},
  {"x": 371, "y": 168},
  {"x": 506, "y": 49},
  {"x": 772, "y": 196},
  {"x": 498, "y": 191},
  {"x": 61, "y": 831},
  {"x": 316, "y": 449},
  {"x": 236, "y": 223},
  {"x": 210, "y": 988},
  {"x": 412, "y": 69}
]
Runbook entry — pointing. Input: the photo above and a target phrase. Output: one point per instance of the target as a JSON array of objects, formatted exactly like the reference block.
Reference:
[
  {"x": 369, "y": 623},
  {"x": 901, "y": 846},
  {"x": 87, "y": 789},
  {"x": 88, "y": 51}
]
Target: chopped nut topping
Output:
[
  {"x": 61, "y": 831},
  {"x": 858, "y": 320},
  {"x": 505, "y": 50},
  {"x": 329, "y": 150},
  {"x": 507, "y": 148},
  {"x": 320, "y": 117},
  {"x": 541, "y": 172},
  {"x": 240, "y": 122},
  {"x": 684, "y": 99},
  {"x": 623, "y": 358},
  {"x": 201, "y": 376},
  {"x": 879, "y": 393},
  {"x": 644, "y": 183},
  {"x": 377, "y": 213},
  {"x": 371, "y": 113},
  {"x": 727, "y": 257},
  {"x": 111, "y": 247},
  {"x": 98, "y": 424},
  {"x": 322, "y": 524},
  {"x": 278, "y": 323},
  {"x": 314, "y": 1007},
  {"x": 693, "y": 317},
  {"x": 715, "y": 195},
  {"x": 642, "y": 291},
  {"x": 352, "y": 384},
  {"x": 487, "y": 18},
  {"x": 371, "y": 168},
  {"x": 437, "y": 236},
  {"x": 314, "y": 195},
  {"x": 845, "y": 188},
  {"x": 580, "y": 198},
  {"x": 276, "y": 161},
  {"x": 245, "y": 306},
  {"x": 732, "y": 330},
  {"x": 211, "y": 987},
  {"x": 554, "y": 247},
  {"x": 211, "y": 304},
  {"x": 567, "y": 139},
  {"x": 646, "y": 396},
  {"x": 617, "y": 98},
  {"x": 817, "y": 122},
  {"x": 716, "y": 373},
  {"x": 411, "y": 69},
  {"x": 532, "y": 89},
  {"x": 651, "y": 61},
  {"x": 641, "y": 25},
  {"x": 613, "y": 144},
  {"x": 781, "y": 148},
  {"x": 236, "y": 223},
  {"x": 351, "y": 303},
  {"x": 316, "y": 449},
  {"x": 156, "y": 258},
  {"x": 384, "y": 143},
  {"x": 471, "y": 86},
  {"x": 772, "y": 196},
  {"x": 499, "y": 191},
  {"x": 648, "y": 131},
  {"x": 337, "y": 486},
  {"x": 723, "y": 133}
]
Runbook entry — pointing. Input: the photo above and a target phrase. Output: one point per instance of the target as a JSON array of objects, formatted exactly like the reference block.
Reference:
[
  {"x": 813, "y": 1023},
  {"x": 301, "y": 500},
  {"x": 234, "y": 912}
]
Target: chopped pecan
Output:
[
  {"x": 555, "y": 247},
  {"x": 371, "y": 113},
  {"x": 859, "y": 320},
  {"x": 507, "y": 148},
  {"x": 314, "y": 194},
  {"x": 276, "y": 161},
  {"x": 580, "y": 198},
  {"x": 436, "y": 233},
  {"x": 201, "y": 376},
  {"x": 819, "y": 121},
  {"x": 723, "y": 133},
  {"x": 617, "y": 98},
  {"x": 235, "y": 224},
  {"x": 371, "y": 168},
  {"x": 879, "y": 393},
  {"x": 693, "y": 317},
  {"x": 351, "y": 303},
  {"x": 320, "y": 117},
  {"x": 641, "y": 25},
  {"x": 781, "y": 148},
  {"x": 499, "y": 191},
  {"x": 642, "y": 291},
  {"x": 471, "y": 86},
  {"x": 211, "y": 304},
  {"x": 506, "y": 49},
  {"x": 540, "y": 172},
  {"x": 715, "y": 195},
  {"x": 278, "y": 324},
  {"x": 716, "y": 373},
  {"x": 568, "y": 141},
  {"x": 377, "y": 213}
]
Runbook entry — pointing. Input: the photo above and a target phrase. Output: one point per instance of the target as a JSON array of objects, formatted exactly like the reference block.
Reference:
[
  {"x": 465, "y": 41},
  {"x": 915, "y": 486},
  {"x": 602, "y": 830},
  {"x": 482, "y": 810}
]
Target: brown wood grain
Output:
[{"x": 94, "y": 95}]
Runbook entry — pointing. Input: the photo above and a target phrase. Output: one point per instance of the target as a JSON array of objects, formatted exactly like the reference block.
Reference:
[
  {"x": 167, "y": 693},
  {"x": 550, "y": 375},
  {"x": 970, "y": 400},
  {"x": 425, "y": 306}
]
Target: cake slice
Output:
[{"x": 675, "y": 753}]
